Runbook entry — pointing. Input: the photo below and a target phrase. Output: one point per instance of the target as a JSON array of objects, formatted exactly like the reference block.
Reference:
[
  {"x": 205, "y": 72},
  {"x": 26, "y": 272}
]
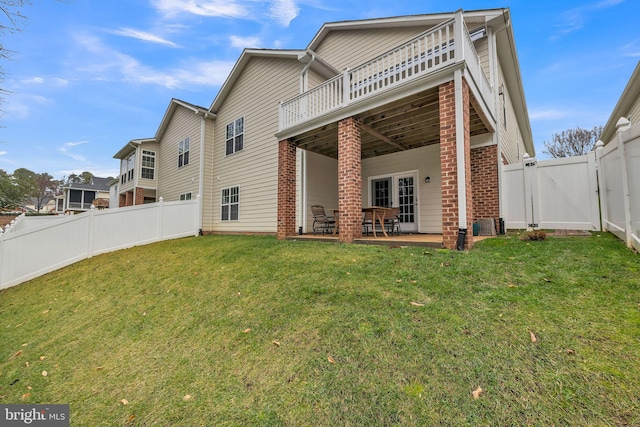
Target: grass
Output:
[{"x": 248, "y": 330}]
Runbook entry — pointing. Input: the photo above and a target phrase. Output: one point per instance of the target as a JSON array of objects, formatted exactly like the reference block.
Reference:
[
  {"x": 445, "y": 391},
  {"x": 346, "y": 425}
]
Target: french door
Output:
[{"x": 398, "y": 190}]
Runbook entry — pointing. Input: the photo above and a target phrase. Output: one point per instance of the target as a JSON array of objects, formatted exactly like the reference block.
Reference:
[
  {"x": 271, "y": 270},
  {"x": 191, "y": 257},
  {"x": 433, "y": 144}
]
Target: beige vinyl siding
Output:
[
  {"x": 144, "y": 182},
  {"x": 482, "y": 49},
  {"x": 322, "y": 186},
  {"x": 173, "y": 181},
  {"x": 209, "y": 199},
  {"x": 510, "y": 134},
  {"x": 255, "y": 96},
  {"x": 315, "y": 79},
  {"x": 426, "y": 160},
  {"x": 352, "y": 48},
  {"x": 634, "y": 112}
]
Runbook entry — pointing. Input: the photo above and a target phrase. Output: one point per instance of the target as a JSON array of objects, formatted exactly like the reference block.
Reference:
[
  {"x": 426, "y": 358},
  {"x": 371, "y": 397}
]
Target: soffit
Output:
[{"x": 406, "y": 124}]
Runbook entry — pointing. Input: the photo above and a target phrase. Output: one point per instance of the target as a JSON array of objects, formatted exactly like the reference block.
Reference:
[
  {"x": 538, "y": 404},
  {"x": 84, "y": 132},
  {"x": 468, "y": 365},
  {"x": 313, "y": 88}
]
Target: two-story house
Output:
[{"x": 416, "y": 112}]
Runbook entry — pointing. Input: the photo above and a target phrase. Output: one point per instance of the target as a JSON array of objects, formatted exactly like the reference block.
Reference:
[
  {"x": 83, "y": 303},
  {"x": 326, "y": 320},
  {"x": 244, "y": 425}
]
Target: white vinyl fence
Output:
[
  {"x": 27, "y": 252},
  {"x": 559, "y": 194},
  {"x": 619, "y": 175}
]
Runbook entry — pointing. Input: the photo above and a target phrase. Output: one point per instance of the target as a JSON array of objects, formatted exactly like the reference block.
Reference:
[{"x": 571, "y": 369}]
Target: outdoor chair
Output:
[
  {"x": 367, "y": 222},
  {"x": 322, "y": 222},
  {"x": 392, "y": 221}
]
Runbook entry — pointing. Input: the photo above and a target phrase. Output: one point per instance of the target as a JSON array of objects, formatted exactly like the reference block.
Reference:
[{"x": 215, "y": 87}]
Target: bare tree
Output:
[
  {"x": 11, "y": 18},
  {"x": 573, "y": 142}
]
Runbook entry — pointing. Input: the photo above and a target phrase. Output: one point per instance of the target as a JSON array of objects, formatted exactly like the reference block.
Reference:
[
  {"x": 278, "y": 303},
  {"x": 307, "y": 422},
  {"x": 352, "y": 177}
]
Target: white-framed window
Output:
[
  {"x": 235, "y": 136},
  {"x": 148, "y": 164},
  {"x": 131, "y": 164},
  {"x": 230, "y": 204},
  {"x": 183, "y": 152},
  {"x": 185, "y": 196}
]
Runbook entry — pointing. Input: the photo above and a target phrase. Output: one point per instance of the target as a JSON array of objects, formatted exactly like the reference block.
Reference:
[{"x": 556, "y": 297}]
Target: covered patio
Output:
[{"x": 385, "y": 130}]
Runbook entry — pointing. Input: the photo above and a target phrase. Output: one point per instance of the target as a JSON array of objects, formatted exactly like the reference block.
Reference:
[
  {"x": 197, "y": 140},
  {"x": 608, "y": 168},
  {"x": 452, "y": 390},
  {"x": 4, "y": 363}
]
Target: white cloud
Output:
[
  {"x": 548, "y": 114},
  {"x": 33, "y": 80},
  {"x": 2, "y": 153},
  {"x": 21, "y": 104},
  {"x": 242, "y": 42},
  {"x": 65, "y": 150},
  {"x": 111, "y": 65},
  {"x": 284, "y": 11},
  {"x": 575, "y": 19},
  {"x": 144, "y": 36},
  {"x": 73, "y": 144},
  {"x": 223, "y": 8}
]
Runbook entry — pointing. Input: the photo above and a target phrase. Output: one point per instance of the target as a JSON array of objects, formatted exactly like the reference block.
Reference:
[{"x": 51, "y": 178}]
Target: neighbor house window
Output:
[
  {"x": 235, "y": 136},
  {"x": 185, "y": 196},
  {"x": 230, "y": 202},
  {"x": 148, "y": 164},
  {"x": 183, "y": 152}
]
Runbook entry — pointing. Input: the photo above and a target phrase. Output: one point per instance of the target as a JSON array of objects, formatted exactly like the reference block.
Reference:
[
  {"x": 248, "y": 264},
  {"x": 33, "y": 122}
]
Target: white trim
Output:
[{"x": 460, "y": 153}]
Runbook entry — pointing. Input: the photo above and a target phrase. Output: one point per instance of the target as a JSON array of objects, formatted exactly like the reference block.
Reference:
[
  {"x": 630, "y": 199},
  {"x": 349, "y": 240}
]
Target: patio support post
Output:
[
  {"x": 286, "y": 189},
  {"x": 455, "y": 155},
  {"x": 349, "y": 179}
]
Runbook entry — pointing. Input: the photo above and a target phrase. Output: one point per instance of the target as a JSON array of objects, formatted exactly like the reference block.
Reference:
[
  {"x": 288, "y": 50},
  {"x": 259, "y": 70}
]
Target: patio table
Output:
[{"x": 380, "y": 213}]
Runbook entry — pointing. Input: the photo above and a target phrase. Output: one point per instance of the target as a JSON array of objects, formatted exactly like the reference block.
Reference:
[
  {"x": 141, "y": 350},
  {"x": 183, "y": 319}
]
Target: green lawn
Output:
[{"x": 248, "y": 330}]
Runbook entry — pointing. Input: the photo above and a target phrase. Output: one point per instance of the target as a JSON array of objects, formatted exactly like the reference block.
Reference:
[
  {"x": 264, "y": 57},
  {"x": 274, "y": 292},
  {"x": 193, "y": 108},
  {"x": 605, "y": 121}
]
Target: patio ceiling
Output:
[{"x": 405, "y": 124}]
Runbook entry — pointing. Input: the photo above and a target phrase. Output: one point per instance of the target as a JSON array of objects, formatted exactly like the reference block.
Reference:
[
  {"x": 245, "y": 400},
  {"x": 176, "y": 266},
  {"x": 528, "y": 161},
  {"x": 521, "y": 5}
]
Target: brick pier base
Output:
[
  {"x": 449, "y": 165},
  {"x": 286, "y": 189},
  {"x": 349, "y": 179}
]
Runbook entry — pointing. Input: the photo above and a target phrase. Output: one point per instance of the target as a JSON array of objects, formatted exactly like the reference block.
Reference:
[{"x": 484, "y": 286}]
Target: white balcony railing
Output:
[{"x": 422, "y": 55}]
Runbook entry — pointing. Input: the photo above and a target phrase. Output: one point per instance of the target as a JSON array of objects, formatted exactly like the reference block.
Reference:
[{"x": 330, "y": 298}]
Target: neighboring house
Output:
[
  {"x": 416, "y": 112},
  {"x": 628, "y": 106},
  {"x": 77, "y": 198}
]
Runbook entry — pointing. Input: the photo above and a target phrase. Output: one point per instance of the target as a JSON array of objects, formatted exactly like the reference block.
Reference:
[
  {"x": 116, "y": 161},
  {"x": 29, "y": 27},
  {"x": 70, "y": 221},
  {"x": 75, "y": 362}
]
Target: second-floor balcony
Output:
[{"x": 427, "y": 54}]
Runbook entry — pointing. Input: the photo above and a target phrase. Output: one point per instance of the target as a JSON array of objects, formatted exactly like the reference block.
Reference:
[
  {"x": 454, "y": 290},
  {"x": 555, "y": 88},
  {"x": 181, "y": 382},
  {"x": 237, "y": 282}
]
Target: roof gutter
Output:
[{"x": 304, "y": 80}]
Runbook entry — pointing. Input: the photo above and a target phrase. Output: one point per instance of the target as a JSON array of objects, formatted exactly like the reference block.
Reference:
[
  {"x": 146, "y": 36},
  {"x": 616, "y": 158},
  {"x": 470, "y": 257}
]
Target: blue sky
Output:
[{"x": 88, "y": 76}]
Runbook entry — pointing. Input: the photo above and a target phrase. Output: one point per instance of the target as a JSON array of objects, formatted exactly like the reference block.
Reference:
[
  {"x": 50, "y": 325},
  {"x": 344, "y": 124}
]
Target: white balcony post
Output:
[
  {"x": 458, "y": 38},
  {"x": 346, "y": 87}
]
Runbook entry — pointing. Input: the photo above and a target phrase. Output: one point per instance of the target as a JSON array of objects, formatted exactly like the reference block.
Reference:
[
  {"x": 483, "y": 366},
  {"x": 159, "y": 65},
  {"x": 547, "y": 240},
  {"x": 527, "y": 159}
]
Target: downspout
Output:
[
  {"x": 496, "y": 103},
  {"x": 460, "y": 159},
  {"x": 203, "y": 133},
  {"x": 304, "y": 85}
]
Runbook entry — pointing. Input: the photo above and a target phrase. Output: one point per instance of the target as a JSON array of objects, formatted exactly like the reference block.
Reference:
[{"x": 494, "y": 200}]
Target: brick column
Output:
[
  {"x": 449, "y": 165},
  {"x": 129, "y": 198},
  {"x": 122, "y": 200},
  {"x": 286, "y": 189},
  {"x": 139, "y": 199},
  {"x": 484, "y": 179},
  {"x": 349, "y": 179}
]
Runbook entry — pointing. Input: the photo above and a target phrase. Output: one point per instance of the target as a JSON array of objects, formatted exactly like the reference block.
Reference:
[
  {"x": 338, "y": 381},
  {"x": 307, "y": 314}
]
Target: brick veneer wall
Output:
[
  {"x": 122, "y": 201},
  {"x": 286, "y": 189},
  {"x": 449, "y": 165},
  {"x": 349, "y": 179},
  {"x": 484, "y": 179},
  {"x": 139, "y": 196},
  {"x": 129, "y": 198}
]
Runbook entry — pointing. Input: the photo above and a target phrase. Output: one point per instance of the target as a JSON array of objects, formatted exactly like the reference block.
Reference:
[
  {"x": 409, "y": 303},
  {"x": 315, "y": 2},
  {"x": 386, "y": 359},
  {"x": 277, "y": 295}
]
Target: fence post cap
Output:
[
  {"x": 599, "y": 145},
  {"x": 525, "y": 156},
  {"x": 622, "y": 124},
  {"x": 92, "y": 207},
  {"x": 161, "y": 199}
]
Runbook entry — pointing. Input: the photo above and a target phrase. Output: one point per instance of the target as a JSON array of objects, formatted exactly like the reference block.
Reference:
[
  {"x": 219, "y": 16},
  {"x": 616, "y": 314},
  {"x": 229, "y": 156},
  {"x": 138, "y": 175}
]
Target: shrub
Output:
[{"x": 533, "y": 235}]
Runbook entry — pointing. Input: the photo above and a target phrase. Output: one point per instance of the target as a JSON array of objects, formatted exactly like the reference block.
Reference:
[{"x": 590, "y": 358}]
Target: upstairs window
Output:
[
  {"x": 185, "y": 196},
  {"x": 183, "y": 152},
  {"x": 131, "y": 164},
  {"x": 235, "y": 136},
  {"x": 230, "y": 203},
  {"x": 148, "y": 164}
]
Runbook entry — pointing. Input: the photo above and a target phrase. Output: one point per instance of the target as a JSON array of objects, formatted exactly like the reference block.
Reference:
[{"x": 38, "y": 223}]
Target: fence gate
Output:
[{"x": 560, "y": 194}]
